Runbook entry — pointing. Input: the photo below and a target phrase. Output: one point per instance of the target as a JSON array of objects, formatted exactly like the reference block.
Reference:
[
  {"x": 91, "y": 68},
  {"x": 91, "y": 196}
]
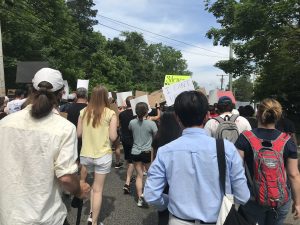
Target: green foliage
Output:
[
  {"x": 265, "y": 37},
  {"x": 243, "y": 89},
  {"x": 62, "y": 34}
]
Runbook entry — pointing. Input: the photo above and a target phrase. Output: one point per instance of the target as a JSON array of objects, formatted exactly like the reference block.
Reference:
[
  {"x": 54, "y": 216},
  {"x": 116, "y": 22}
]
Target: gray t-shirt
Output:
[{"x": 143, "y": 132}]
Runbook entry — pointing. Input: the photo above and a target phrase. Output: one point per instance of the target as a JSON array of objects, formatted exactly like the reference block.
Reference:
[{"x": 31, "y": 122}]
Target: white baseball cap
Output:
[{"x": 52, "y": 76}]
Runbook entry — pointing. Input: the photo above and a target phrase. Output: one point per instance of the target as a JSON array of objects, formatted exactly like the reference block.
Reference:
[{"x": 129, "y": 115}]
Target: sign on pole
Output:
[
  {"x": 173, "y": 79},
  {"x": 121, "y": 97},
  {"x": 172, "y": 91},
  {"x": 83, "y": 84}
]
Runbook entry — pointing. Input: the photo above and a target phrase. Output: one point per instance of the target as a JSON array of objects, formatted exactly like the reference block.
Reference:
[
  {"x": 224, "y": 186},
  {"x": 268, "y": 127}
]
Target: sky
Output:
[{"x": 182, "y": 20}]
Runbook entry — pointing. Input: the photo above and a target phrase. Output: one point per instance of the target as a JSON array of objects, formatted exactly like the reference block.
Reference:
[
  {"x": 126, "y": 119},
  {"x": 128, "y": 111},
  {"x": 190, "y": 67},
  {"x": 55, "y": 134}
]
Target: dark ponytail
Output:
[
  {"x": 141, "y": 110},
  {"x": 43, "y": 100}
]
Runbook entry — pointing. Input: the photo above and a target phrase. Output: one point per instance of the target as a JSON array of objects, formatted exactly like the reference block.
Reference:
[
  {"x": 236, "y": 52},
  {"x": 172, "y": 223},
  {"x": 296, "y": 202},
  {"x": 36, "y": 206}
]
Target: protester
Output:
[
  {"x": 97, "y": 125},
  {"x": 249, "y": 115},
  {"x": 127, "y": 141},
  {"x": 2, "y": 106},
  {"x": 168, "y": 131},
  {"x": 143, "y": 131},
  {"x": 270, "y": 155},
  {"x": 285, "y": 125},
  {"x": 236, "y": 124},
  {"x": 189, "y": 166},
  {"x": 16, "y": 104},
  {"x": 38, "y": 154}
]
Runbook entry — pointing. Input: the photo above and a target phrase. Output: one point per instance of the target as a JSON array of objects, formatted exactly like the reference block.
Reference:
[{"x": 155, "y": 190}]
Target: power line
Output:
[
  {"x": 115, "y": 29},
  {"x": 163, "y": 36}
]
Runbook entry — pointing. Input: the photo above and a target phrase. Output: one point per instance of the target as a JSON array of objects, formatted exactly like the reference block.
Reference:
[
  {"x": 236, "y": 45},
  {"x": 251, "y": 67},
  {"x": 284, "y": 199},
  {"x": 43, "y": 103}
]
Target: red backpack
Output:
[{"x": 269, "y": 180}]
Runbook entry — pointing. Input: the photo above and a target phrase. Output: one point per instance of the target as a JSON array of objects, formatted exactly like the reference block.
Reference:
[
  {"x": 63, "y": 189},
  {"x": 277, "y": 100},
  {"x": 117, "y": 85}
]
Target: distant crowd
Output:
[{"x": 190, "y": 155}]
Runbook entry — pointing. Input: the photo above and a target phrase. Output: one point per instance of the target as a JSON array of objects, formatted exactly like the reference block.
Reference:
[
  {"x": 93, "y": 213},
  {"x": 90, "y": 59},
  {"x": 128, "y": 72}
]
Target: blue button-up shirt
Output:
[{"x": 189, "y": 165}]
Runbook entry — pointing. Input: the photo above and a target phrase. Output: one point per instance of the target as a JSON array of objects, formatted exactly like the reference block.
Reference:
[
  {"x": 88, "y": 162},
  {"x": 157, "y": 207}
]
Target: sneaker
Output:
[
  {"x": 126, "y": 189},
  {"x": 90, "y": 220},
  {"x": 145, "y": 173},
  {"x": 118, "y": 165},
  {"x": 141, "y": 201}
]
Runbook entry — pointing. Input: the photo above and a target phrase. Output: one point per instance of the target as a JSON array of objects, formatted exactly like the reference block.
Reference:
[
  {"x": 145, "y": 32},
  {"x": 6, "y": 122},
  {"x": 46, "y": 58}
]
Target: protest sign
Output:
[
  {"x": 135, "y": 101},
  {"x": 173, "y": 90},
  {"x": 83, "y": 83},
  {"x": 140, "y": 93},
  {"x": 173, "y": 79},
  {"x": 156, "y": 97},
  {"x": 121, "y": 97}
]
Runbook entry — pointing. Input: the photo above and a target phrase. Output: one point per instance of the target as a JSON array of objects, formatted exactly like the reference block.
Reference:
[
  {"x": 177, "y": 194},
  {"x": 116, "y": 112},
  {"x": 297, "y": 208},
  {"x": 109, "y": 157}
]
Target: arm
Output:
[
  {"x": 79, "y": 127},
  {"x": 113, "y": 135},
  {"x": 70, "y": 183},
  {"x": 294, "y": 176},
  {"x": 155, "y": 184},
  {"x": 237, "y": 176},
  {"x": 157, "y": 117}
]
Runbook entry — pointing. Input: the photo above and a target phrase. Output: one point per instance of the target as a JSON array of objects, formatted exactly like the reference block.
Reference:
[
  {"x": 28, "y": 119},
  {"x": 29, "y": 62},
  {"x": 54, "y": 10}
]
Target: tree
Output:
[
  {"x": 265, "y": 37},
  {"x": 243, "y": 89}
]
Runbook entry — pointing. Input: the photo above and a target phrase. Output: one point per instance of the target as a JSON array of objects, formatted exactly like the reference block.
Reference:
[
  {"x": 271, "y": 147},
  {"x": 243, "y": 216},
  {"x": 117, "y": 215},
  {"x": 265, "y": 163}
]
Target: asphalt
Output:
[{"x": 118, "y": 208}]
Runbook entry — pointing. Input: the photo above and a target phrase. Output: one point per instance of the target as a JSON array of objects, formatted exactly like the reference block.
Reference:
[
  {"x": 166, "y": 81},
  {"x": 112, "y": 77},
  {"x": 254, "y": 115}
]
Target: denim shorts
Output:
[{"x": 100, "y": 165}]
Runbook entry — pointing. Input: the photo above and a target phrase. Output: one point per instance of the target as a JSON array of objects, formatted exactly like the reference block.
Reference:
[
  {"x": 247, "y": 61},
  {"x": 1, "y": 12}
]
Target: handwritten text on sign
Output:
[
  {"x": 172, "y": 79},
  {"x": 172, "y": 91}
]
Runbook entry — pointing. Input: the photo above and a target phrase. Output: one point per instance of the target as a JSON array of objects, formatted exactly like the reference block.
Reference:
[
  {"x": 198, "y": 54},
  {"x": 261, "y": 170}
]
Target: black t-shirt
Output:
[
  {"x": 290, "y": 149},
  {"x": 74, "y": 111},
  {"x": 125, "y": 117}
]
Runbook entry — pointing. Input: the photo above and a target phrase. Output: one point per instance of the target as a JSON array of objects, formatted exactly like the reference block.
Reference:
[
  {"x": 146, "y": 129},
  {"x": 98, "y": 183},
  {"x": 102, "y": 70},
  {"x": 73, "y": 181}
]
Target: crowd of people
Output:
[{"x": 44, "y": 153}]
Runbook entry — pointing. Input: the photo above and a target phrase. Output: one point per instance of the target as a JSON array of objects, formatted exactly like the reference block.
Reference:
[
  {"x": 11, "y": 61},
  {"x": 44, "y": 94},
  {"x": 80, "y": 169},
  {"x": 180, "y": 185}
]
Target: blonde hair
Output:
[
  {"x": 269, "y": 111},
  {"x": 97, "y": 103}
]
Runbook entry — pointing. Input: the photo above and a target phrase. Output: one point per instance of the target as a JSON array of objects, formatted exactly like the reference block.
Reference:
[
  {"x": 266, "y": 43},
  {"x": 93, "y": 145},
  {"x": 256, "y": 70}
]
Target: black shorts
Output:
[
  {"x": 144, "y": 157},
  {"x": 127, "y": 151}
]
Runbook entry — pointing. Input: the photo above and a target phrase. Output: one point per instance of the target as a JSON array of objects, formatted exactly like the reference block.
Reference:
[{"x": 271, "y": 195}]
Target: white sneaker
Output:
[
  {"x": 90, "y": 220},
  {"x": 140, "y": 202}
]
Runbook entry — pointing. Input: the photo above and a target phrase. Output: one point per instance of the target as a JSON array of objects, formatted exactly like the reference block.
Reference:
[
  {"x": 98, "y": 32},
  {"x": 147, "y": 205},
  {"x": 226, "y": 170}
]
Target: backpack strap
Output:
[
  {"x": 219, "y": 119},
  {"x": 233, "y": 117},
  {"x": 279, "y": 143},
  {"x": 221, "y": 163},
  {"x": 255, "y": 142}
]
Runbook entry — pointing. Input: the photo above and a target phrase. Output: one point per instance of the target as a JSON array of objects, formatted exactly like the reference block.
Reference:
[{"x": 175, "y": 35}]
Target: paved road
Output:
[{"x": 118, "y": 208}]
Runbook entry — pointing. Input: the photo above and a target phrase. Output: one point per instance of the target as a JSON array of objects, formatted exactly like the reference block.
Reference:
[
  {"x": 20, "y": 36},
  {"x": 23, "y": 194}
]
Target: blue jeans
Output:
[{"x": 264, "y": 215}]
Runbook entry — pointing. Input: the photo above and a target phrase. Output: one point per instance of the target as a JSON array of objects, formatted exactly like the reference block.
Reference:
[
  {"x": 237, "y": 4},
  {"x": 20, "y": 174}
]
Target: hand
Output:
[
  {"x": 84, "y": 190},
  {"x": 296, "y": 210}
]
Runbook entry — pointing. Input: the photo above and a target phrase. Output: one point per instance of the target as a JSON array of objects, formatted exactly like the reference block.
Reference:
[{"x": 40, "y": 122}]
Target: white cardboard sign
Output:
[
  {"x": 83, "y": 84},
  {"x": 121, "y": 97},
  {"x": 172, "y": 91},
  {"x": 135, "y": 101}
]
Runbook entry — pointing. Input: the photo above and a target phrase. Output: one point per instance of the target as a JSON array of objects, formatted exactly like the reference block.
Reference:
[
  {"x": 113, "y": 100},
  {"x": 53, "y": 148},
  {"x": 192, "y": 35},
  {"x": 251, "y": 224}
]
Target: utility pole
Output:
[
  {"x": 230, "y": 75},
  {"x": 222, "y": 79},
  {"x": 2, "y": 80}
]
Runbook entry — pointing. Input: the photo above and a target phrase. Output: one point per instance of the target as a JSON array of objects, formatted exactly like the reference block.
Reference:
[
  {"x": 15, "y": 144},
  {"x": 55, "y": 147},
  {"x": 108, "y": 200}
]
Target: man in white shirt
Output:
[
  {"x": 16, "y": 104},
  {"x": 38, "y": 151},
  {"x": 225, "y": 108}
]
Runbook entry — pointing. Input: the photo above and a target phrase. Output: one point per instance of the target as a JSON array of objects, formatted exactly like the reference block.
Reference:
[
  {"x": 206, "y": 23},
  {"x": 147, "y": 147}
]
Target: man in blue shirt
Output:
[{"x": 189, "y": 165}]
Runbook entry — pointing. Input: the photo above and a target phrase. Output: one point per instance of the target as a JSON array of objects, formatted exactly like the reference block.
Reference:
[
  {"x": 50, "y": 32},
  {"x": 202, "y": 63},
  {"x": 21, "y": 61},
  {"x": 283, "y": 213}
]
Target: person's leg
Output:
[
  {"x": 102, "y": 168},
  {"x": 97, "y": 196},
  {"x": 280, "y": 214},
  {"x": 130, "y": 168},
  {"x": 117, "y": 146},
  {"x": 139, "y": 178},
  {"x": 254, "y": 213}
]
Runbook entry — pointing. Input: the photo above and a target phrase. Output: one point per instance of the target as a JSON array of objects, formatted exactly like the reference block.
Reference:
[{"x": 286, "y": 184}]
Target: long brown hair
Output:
[{"x": 97, "y": 103}]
